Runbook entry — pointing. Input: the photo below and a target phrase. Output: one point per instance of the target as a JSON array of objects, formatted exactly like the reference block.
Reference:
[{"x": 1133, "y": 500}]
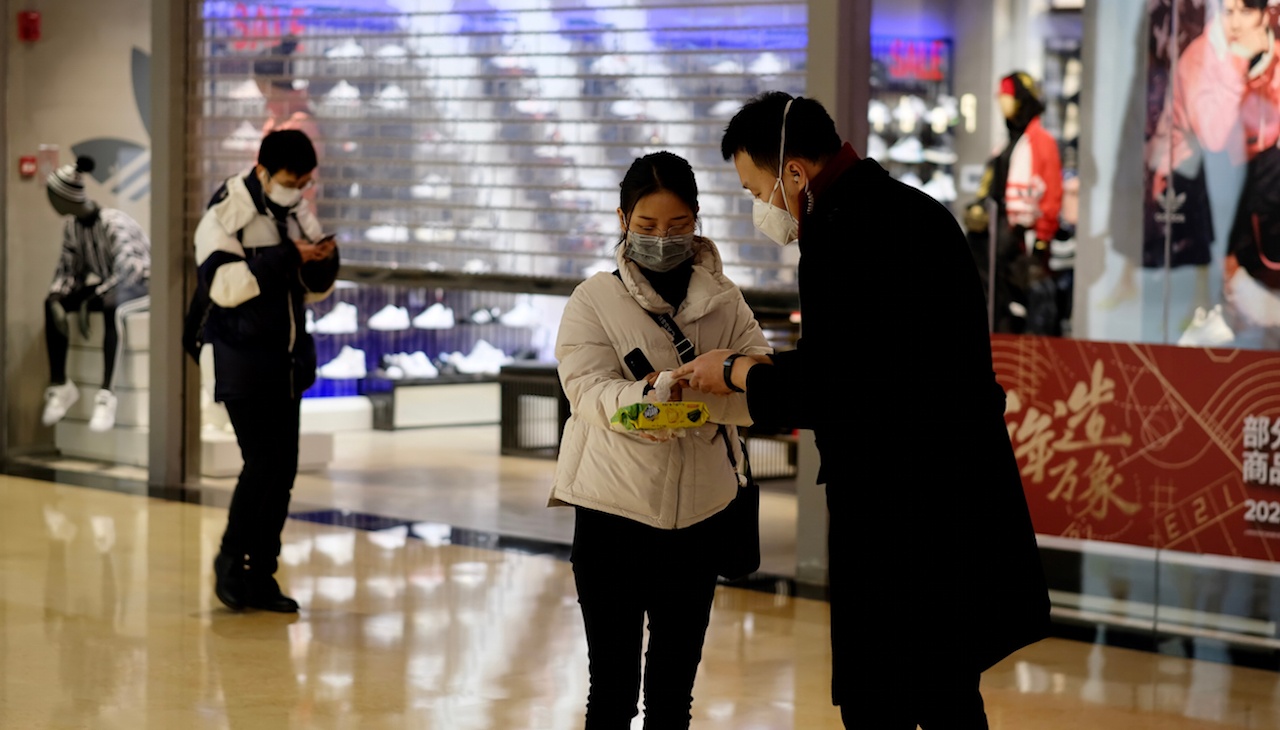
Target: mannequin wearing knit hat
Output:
[{"x": 105, "y": 266}]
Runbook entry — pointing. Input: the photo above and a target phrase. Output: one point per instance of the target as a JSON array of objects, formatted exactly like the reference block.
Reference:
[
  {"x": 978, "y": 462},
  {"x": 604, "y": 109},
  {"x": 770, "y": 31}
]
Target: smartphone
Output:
[
  {"x": 638, "y": 364},
  {"x": 327, "y": 238}
]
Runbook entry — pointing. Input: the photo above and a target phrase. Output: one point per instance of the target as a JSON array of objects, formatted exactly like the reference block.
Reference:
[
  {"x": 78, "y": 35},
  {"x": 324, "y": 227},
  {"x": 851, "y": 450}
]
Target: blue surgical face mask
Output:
[{"x": 659, "y": 253}]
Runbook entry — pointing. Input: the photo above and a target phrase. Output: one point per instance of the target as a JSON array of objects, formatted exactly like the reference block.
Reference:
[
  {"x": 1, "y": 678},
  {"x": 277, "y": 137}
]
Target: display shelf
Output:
[{"x": 913, "y": 113}]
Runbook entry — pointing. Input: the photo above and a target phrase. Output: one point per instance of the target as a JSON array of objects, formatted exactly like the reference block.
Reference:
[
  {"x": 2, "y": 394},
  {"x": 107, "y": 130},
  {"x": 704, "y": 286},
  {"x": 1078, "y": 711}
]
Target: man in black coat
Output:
[{"x": 934, "y": 571}]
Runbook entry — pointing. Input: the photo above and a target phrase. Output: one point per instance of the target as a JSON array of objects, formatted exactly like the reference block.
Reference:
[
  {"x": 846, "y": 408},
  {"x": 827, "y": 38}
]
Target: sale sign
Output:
[{"x": 1165, "y": 447}]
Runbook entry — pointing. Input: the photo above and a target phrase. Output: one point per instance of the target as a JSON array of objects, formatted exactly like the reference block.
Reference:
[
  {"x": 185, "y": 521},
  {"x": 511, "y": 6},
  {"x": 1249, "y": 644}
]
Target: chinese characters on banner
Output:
[
  {"x": 1261, "y": 458},
  {"x": 1143, "y": 444}
]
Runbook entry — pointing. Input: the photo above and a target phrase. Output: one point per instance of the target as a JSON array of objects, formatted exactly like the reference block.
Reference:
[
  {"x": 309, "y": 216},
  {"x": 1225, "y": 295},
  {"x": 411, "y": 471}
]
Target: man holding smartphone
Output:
[{"x": 262, "y": 258}]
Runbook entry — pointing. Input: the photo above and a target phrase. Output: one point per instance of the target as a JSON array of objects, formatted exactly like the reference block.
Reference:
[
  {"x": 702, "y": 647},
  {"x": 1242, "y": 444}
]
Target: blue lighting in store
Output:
[
  {"x": 908, "y": 22},
  {"x": 279, "y": 18}
]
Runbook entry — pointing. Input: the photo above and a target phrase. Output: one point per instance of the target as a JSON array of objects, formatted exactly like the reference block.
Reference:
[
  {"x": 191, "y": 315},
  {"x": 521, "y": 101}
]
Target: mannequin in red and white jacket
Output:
[
  {"x": 1024, "y": 180},
  {"x": 1033, "y": 181}
]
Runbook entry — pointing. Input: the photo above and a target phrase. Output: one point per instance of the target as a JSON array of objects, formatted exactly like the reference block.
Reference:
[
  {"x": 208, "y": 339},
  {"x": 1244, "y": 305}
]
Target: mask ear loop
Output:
[{"x": 782, "y": 146}]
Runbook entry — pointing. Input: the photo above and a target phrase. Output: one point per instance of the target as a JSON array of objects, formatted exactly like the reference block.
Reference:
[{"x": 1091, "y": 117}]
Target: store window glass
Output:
[
  {"x": 1145, "y": 429},
  {"x": 470, "y": 155},
  {"x": 490, "y": 137}
]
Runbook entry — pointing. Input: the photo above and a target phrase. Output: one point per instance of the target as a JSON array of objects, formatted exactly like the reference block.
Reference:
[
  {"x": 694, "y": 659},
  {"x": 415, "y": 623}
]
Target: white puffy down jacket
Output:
[{"x": 672, "y": 484}]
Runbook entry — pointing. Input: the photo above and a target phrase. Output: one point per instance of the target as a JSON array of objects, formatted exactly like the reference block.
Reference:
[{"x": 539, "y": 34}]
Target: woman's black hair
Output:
[
  {"x": 654, "y": 173},
  {"x": 1255, "y": 4}
]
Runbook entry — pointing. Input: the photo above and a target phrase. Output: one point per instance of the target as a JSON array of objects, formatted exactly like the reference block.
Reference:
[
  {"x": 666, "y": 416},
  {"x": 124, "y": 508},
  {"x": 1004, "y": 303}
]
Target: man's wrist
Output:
[{"x": 730, "y": 364}]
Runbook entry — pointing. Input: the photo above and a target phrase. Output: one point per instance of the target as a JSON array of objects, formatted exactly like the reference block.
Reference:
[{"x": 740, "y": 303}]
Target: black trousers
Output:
[
  {"x": 114, "y": 305},
  {"x": 626, "y": 571},
  {"x": 267, "y": 431}
]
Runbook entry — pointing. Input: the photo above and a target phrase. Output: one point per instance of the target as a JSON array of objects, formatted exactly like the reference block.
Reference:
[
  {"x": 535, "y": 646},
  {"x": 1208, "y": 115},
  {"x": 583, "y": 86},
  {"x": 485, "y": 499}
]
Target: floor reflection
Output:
[{"x": 107, "y": 620}]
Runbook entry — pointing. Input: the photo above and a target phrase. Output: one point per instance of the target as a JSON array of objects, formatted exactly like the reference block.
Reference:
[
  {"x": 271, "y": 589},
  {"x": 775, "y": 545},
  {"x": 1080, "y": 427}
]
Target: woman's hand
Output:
[{"x": 677, "y": 387}]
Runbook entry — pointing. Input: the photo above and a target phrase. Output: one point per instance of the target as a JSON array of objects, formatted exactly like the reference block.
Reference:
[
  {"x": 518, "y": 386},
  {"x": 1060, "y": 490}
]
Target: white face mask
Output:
[
  {"x": 778, "y": 224},
  {"x": 284, "y": 197},
  {"x": 659, "y": 253}
]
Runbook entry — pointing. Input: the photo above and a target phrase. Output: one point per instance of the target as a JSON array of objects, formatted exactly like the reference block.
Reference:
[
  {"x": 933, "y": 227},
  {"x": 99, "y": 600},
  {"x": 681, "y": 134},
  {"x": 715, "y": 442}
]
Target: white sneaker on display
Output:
[
  {"x": 391, "y": 98},
  {"x": 907, "y": 150},
  {"x": 57, "y": 400},
  {"x": 390, "y": 319},
  {"x": 727, "y": 66},
  {"x": 941, "y": 187},
  {"x": 913, "y": 180},
  {"x": 391, "y": 54},
  {"x": 940, "y": 155},
  {"x": 434, "y": 235},
  {"x": 483, "y": 359},
  {"x": 909, "y": 112},
  {"x": 523, "y": 315},
  {"x": 104, "y": 412},
  {"x": 245, "y": 138},
  {"x": 879, "y": 115},
  {"x": 387, "y": 234},
  {"x": 310, "y": 322},
  {"x": 343, "y": 93},
  {"x": 626, "y": 108},
  {"x": 435, "y": 317},
  {"x": 475, "y": 266},
  {"x": 1208, "y": 329},
  {"x": 348, "y": 365},
  {"x": 348, "y": 49},
  {"x": 432, "y": 187},
  {"x": 876, "y": 147},
  {"x": 535, "y": 107},
  {"x": 939, "y": 120},
  {"x": 1071, "y": 76},
  {"x": 341, "y": 320},
  {"x": 768, "y": 64},
  {"x": 418, "y": 365}
]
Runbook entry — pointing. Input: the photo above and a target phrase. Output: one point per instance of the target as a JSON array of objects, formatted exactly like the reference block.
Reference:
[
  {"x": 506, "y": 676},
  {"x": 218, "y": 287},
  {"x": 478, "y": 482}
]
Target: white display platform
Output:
[
  {"x": 127, "y": 442},
  {"x": 446, "y": 404},
  {"x": 220, "y": 454},
  {"x": 333, "y": 415}
]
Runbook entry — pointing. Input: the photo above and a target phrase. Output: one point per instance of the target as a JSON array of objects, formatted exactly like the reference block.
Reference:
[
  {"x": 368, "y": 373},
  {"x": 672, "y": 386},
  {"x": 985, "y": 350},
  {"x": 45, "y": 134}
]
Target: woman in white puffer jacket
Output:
[{"x": 644, "y": 535}]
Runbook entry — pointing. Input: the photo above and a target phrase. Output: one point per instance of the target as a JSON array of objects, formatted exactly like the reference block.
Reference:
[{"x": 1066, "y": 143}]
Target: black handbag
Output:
[
  {"x": 738, "y": 542},
  {"x": 737, "y": 526}
]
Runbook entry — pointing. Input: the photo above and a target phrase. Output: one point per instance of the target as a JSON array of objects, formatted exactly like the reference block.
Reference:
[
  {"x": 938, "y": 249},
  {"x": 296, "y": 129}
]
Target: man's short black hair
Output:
[
  {"x": 287, "y": 149},
  {"x": 757, "y": 128}
]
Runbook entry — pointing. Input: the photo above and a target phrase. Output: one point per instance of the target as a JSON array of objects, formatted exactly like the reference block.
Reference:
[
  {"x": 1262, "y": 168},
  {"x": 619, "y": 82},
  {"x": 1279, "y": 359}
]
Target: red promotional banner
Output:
[{"x": 1165, "y": 447}]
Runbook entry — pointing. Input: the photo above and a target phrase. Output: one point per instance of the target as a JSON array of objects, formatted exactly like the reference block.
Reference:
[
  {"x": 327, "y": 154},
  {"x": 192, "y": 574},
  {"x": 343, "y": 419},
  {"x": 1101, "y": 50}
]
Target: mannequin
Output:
[
  {"x": 1025, "y": 182},
  {"x": 105, "y": 266}
]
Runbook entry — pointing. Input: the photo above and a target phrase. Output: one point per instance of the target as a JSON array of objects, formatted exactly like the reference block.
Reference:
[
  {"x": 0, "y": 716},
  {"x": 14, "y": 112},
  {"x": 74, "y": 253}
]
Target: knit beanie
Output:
[{"x": 67, "y": 182}]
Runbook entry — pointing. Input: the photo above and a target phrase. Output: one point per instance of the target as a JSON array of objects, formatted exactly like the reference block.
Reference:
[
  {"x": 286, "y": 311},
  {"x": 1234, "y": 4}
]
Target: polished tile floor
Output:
[{"x": 107, "y": 620}]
